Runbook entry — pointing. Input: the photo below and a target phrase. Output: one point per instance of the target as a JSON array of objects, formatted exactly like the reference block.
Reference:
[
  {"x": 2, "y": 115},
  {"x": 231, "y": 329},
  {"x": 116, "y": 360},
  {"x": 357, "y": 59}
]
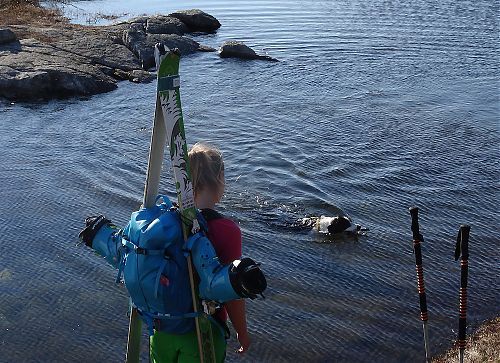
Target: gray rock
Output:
[
  {"x": 104, "y": 48},
  {"x": 140, "y": 76},
  {"x": 184, "y": 44},
  {"x": 139, "y": 19},
  {"x": 134, "y": 39},
  {"x": 121, "y": 74},
  {"x": 197, "y": 20},
  {"x": 236, "y": 49},
  {"x": 79, "y": 61},
  {"x": 142, "y": 45},
  {"x": 117, "y": 27},
  {"x": 165, "y": 25},
  {"x": 136, "y": 75},
  {"x": 7, "y": 36},
  {"x": 42, "y": 71},
  {"x": 137, "y": 41},
  {"x": 76, "y": 66},
  {"x": 138, "y": 27}
]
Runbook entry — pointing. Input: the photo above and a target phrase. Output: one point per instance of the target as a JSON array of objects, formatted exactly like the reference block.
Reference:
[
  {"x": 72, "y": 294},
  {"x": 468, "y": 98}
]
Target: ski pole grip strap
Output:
[{"x": 168, "y": 83}]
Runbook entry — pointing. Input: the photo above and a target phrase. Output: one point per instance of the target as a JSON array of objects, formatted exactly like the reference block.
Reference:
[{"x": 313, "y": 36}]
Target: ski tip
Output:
[
  {"x": 161, "y": 52},
  {"x": 161, "y": 49}
]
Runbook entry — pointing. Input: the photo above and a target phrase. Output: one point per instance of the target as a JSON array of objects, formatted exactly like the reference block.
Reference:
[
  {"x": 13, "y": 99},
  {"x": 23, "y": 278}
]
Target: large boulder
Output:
[
  {"x": 142, "y": 44},
  {"x": 236, "y": 49},
  {"x": 103, "y": 47},
  {"x": 197, "y": 20},
  {"x": 7, "y": 36},
  {"x": 134, "y": 39},
  {"x": 47, "y": 83},
  {"x": 165, "y": 25},
  {"x": 40, "y": 71}
]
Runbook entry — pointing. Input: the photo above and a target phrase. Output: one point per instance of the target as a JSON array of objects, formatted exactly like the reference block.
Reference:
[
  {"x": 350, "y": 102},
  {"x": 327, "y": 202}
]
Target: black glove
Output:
[
  {"x": 92, "y": 226},
  {"x": 247, "y": 279}
]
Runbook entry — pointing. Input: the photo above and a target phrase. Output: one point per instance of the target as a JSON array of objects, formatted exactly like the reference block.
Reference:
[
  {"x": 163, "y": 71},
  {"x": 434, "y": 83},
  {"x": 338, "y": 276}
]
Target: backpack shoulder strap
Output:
[
  {"x": 206, "y": 215},
  {"x": 210, "y": 214}
]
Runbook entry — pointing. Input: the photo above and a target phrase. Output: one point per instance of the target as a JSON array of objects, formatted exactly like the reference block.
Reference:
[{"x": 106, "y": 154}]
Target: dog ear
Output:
[
  {"x": 345, "y": 222},
  {"x": 339, "y": 225}
]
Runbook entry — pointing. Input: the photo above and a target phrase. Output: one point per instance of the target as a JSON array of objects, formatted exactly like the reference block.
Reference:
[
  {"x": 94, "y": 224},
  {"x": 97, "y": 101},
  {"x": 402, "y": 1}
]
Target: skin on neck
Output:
[{"x": 207, "y": 197}]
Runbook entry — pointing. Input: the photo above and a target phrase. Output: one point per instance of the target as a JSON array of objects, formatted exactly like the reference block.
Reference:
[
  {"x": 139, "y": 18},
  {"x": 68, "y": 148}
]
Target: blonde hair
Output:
[{"x": 207, "y": 167}]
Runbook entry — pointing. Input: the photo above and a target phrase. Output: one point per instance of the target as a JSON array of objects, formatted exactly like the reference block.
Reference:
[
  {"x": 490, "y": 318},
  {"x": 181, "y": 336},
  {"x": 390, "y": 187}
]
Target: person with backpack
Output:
[
  {"x": 150, "y": 255},
  {"x": 207, "y": 171},
  {"x": 207, "y": 168}
]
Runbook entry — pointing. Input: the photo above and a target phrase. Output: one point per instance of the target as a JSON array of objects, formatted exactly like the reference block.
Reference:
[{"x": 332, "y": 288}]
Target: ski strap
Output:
[{"x": 168, "y": 83}]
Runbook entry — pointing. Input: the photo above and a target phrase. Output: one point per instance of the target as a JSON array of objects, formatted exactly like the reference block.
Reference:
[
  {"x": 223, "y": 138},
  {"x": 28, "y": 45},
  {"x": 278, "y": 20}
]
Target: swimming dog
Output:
[{"x": 333, "y": 225}]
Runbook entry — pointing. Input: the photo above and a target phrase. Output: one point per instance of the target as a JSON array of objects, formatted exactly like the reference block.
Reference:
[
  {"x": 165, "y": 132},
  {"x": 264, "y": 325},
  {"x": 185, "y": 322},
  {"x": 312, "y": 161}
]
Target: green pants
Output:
[{"x": 183, "y": 348}]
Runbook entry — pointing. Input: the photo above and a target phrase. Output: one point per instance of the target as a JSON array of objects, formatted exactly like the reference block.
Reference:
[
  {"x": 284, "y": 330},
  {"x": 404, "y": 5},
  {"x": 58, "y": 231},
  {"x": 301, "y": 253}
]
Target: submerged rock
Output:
[
  {"x": 236, "y": 49},
  {"x": 5, "y": 275},
  {"x": 197, "y": 20},
  {"x": 7, "y": 36}
]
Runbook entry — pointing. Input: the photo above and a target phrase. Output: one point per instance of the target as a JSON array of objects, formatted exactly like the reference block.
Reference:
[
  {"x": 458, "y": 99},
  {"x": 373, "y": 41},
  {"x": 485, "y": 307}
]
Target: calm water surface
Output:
[{"x": 375, "y": 107}]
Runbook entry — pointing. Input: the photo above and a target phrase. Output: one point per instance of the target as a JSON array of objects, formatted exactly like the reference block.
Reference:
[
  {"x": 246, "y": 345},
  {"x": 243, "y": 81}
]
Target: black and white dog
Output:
[{"x": 333, "y": 225}]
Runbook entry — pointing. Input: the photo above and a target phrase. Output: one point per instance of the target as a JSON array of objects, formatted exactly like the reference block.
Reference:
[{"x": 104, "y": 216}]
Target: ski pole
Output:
[
  {"x": 417, "y": 239},
  {"x": 462, "y": 248}
]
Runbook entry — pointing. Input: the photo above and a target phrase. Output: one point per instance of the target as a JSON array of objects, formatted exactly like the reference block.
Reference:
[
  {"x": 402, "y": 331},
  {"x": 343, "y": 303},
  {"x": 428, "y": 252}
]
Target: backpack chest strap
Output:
[
  {"x": 131, "y": 247},
  {"x": 141, "y": 250}
]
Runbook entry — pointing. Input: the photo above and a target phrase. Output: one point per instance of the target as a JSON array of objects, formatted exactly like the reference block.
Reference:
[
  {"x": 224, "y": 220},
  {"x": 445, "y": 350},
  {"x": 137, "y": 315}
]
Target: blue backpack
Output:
[
  {"x": 155, "y": 270},
  {"x": 150, "y": 253}
]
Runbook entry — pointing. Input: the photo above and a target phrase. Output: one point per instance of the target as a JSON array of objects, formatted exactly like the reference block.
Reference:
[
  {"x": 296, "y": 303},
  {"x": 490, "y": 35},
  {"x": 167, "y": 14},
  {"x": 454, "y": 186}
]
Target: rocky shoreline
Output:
[{"x": 67, "y": 60}]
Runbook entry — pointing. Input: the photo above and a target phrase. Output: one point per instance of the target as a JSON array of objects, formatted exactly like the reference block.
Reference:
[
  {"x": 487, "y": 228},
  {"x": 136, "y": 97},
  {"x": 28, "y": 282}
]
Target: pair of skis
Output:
[
  {"x": 168, "y": 128},
  {"x": 461, "y": 249}
]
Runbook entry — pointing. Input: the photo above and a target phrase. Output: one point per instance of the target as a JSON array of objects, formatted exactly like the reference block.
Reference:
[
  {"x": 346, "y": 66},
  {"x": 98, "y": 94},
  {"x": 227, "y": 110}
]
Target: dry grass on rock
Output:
[
  {"x": 482, "y": 346},
  {"x": 29, "y": 20},
  {"x": 28, "y": 12}
]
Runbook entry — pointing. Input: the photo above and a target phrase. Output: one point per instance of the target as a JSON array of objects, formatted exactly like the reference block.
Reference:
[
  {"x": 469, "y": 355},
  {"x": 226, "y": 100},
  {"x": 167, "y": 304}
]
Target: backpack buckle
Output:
[{"x": 209, "y": 307}]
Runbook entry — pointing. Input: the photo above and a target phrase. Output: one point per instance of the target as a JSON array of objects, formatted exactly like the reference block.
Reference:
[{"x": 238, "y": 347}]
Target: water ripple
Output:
[{"x": 374, "y": 107}]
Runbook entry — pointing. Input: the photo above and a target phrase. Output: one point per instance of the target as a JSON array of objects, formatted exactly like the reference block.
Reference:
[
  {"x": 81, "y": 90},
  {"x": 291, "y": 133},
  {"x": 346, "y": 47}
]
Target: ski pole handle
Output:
[
  {"x": 463, "y": 244},
  {"x": 417, "y": 239}
]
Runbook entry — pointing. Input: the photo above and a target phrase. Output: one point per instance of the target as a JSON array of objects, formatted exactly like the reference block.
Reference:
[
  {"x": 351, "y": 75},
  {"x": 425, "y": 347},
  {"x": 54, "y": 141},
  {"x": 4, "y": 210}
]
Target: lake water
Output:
[{"x": 374, "y": 107}]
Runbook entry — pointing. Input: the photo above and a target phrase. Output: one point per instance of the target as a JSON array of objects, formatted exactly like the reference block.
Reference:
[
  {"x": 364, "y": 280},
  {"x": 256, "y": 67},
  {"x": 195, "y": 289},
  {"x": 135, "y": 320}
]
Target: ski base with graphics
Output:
[{"x": 168, "y": 128}]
